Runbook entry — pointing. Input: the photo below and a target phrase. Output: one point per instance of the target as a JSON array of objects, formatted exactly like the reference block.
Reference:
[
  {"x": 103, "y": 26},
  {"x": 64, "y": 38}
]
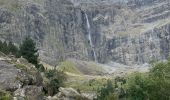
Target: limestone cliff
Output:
[{"x": 128, "y": 32}]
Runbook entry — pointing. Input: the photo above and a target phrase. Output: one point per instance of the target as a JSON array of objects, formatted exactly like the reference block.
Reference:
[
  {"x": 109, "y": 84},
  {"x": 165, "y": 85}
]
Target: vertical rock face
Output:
[
  {"x": 57, "y": 26},
  {"x": 130, "y": 32}
]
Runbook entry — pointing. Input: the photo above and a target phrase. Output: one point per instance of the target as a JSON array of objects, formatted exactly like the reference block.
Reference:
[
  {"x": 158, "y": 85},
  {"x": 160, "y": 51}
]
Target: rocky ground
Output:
[{"x": 20, "y": 80}]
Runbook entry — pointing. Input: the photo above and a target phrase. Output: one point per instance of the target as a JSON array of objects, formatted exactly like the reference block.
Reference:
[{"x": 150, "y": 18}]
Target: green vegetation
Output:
[
  {"x": 4, "y": 95},
  {"x": 12, "y": 48},
  {"x": 107, "y": 92},
  {"x": 20, "y": 66},
  {"x": 68, "y": 66},
  {"x": 86, "y": 85},
  {"x": 29, "y": 51},
  {"x": 8, "y": 48},
  {"x": 12, "y": 5},
  {"x": 154, "y": 85},
  {"x": 55, "y": 79}
]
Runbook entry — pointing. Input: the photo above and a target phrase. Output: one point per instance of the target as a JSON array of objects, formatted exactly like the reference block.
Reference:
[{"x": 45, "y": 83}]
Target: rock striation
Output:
[{"x": 127, "y": 32}]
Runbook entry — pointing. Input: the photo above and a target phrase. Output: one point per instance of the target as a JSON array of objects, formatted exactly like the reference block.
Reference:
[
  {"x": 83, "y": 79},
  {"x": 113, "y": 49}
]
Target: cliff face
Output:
[
  {"x": 56, "y": 25},
  {"x": 127, "y": 32}
]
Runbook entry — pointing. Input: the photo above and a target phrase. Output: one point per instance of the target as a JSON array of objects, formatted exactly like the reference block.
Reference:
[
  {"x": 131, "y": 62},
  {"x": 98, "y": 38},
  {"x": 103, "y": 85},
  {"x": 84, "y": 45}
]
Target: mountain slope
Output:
[{"x": 128, "y": 32}]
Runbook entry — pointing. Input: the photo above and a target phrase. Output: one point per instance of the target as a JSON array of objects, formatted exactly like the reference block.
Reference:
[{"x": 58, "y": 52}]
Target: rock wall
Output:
[{"x": 125, "y": 33}]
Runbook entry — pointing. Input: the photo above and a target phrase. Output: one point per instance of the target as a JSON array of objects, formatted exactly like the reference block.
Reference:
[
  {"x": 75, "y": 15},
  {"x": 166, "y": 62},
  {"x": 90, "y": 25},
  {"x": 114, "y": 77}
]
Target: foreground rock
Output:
[
  {"x": 69, "y": 94},
  {"x": 13, "y": 76},
  {"x": 29, "y": 92},
  {"x": 10, "y": 77}
]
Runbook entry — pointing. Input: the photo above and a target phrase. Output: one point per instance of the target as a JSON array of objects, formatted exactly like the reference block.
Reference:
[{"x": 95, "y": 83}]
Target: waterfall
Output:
[
  {"x": 90, "y": 37},
  {"x": 150, "y": 41}
]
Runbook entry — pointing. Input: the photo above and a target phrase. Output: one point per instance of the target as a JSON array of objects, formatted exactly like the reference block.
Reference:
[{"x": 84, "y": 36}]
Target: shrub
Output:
[
  {"x": 154, "y": 85},
  {"x": 8, "y": 48},
  {"x": 107, "y": 92},
  {"x": 56, "y": 80},
  {"x": 4, "y": 95},
  {"x": 40, "y": 67},
  {"x": 137, "y": 87}
]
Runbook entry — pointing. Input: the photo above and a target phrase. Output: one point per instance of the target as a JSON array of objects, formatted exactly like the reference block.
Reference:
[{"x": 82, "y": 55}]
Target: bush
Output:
[
  {"x": 137, "y": 87},
  {"x": 40, "y": 67},
  {"x": 56, "y": 80},
  {"x": 8, "y": 48},
  {"x": 12, "y": 48},
  {"x": 4, "y": 95},
  {"x": 154, "y": 85},
  {"x": 107, "y": 92}
]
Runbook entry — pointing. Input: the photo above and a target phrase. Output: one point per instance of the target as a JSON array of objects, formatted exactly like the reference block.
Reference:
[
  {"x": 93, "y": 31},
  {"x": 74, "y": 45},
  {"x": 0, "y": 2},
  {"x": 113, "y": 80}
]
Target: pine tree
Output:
[
  {"x": 28, "y": 51},
  {"x": 12, "y": 48},
  {"x": 5, "y": 48},
  {"x": 1, "y": 45}
]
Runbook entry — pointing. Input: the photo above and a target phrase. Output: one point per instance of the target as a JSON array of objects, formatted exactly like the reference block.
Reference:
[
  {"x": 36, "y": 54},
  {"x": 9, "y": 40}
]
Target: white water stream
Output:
[{"x": 90, "y": 37}]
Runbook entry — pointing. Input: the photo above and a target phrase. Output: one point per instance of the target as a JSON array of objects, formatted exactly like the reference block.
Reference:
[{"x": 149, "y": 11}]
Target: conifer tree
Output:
[
  {"x": 5, "y": 47},
  {"x": 12, "y": 48},
  {"x": 1, "y": 45},
  {"x": 29, "y": 51}
]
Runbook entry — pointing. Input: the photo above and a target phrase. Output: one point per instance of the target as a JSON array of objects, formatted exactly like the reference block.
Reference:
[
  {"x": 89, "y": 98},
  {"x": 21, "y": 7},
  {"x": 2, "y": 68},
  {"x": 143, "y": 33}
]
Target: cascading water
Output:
[
  {"x": 150, "y": 41},
  {"x": 90, "y": 37}
]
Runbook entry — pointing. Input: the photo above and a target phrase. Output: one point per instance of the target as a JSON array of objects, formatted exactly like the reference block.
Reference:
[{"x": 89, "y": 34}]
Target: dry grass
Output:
[{"x": 12, "y": 5}]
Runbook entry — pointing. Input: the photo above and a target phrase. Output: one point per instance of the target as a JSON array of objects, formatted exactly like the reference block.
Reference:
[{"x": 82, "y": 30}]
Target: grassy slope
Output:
[
  {"x": 79, "y": 78},
  {"x": 68, "y": 66}
]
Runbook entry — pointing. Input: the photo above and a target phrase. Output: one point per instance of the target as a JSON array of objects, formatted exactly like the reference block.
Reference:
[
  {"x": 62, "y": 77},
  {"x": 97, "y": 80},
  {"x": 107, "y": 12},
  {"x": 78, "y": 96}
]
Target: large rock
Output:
[
  {"x": 68, "y": 94},
  {"x": 10, "y": 76},
  {"x": 29, "y": 93},
  {"x": 13, "y": 77}
]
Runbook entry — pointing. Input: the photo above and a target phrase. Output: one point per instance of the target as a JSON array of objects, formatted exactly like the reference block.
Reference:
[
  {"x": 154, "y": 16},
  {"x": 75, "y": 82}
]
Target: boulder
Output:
[
  {"x": 90, "y": 95},
  {"x": 25, "y": 62},
  {"x": 68, "y": 94},
  {"x": 29, "y": 93},
  {"x": 13, "y": 77},
  {"x": 10, "y": 76}
]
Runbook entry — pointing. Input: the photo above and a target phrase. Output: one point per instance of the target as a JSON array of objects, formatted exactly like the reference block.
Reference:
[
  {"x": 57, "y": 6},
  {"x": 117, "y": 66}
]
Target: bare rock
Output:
[
  {"x": 10, "y": 76},
  {"x": 29, "y": 92},
  {"x": 13, "y": 77},
  {"x": 68, "y": 94}
]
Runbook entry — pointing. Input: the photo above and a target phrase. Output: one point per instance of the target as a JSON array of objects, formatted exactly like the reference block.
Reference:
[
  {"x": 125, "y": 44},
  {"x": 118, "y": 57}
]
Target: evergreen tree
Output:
[
  {"x": 12, "y": 48},
  {"x": 28, "y": 51},
  {"x": 1, "y": 45},
  {"x": 5, "y": 47}
]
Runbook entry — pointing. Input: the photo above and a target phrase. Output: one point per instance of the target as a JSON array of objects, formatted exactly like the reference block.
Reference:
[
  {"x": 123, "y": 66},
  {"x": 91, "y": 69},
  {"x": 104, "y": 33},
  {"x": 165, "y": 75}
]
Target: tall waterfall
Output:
[{"x": 90, "y": 37}]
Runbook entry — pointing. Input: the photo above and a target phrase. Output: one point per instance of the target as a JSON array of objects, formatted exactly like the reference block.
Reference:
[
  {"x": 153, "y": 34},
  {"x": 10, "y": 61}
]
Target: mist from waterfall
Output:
[{"x": 90, "y": 37}]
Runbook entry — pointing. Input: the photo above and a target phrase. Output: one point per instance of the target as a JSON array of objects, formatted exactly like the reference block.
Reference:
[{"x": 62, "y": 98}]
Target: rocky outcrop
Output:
[
  {"x": 9, "y": 77},
  {"x": 68, "y": 94},
  {"x": 14, "y": 76},
  {"x": 129, "y": 32},
  {"x": 29, "y": 93}
]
